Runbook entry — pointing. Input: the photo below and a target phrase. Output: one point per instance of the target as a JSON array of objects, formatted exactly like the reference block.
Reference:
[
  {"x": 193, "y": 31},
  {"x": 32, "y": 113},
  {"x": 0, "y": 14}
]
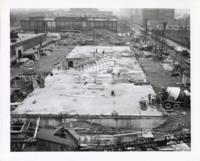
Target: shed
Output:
[{"x": 62, "y": 139}]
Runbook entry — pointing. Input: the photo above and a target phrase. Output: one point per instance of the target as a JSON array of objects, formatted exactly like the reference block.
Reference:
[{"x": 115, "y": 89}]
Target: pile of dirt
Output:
[
  {"x": 70, "y": 35},
  {"x": 22, "y": 85},
  {"x": 70, "y": 38},
  {"x": 20, "y": 89},
  {"x": 175, "y": 124},
  {"x": 102, "y": 34},
  {"x": 85, "y": 127},
  {"x": 70, "y": 41},
  {"x": 89, "y": 38}
]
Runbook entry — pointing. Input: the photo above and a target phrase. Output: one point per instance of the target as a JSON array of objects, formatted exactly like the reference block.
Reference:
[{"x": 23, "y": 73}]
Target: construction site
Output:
[{"x": 100, "y": 89}]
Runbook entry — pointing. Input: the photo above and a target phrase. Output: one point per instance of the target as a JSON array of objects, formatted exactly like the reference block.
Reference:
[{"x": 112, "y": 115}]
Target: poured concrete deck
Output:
[{"x": 87, "y": 91}]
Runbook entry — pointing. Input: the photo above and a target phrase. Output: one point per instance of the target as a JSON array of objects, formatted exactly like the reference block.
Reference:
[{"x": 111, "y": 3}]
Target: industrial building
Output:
[
  {"x": 74, "y": 19},
  {"x": 158, "y": 14},
  {"x": 140, "y": 16},
  {"x": 23, "y": 43},
  {"x": 89, "y": 12},
  {"x": 176, "y": 29},
  {"x": 67, "y": 23}
]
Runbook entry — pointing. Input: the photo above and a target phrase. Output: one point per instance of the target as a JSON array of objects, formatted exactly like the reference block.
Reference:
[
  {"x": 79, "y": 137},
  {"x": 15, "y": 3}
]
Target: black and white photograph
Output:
[
  {"x": 90, "y": 80},
  {"x": 94, "y": 79}
]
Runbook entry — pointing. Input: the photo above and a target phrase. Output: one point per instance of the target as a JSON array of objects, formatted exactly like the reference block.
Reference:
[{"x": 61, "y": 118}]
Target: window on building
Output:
[
  {"x": 59, "y": 23},
  {"x": 49, "y": 24},
  {"x": 169, "y": 27},
  {"x": 53, "y": 24},
  {"x": 19, "y": 53},
  {"x": 101, "y": 24},
  {"x": 176, "y": 27},
  {"x": 32, "y": 25}
]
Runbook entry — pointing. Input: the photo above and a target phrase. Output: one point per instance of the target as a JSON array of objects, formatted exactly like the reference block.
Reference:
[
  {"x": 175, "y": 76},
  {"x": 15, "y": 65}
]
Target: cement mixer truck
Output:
[{"x": 174, "y": 98}]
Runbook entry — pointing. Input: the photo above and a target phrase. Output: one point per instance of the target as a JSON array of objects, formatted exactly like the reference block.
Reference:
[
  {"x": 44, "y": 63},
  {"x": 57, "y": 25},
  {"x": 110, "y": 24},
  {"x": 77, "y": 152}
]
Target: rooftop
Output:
[
  {"x": 24, "y": 37},
  {"x": 50, "y": 135}
]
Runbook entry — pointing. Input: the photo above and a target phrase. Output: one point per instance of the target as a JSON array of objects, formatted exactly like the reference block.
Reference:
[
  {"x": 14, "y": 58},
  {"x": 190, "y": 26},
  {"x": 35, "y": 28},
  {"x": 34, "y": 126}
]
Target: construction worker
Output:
[
  {"x": 103, "y": 52},
  {"x": 149, "y": 98},
  {"x": 112, "y": 93}
]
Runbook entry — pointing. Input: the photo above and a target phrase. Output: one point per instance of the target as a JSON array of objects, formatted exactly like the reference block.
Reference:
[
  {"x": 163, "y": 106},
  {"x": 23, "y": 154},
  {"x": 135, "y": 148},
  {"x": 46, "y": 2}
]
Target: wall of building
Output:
[
  {"x": 158, "y": 14},
  {"x": 25, "y": 44},
  {"x": 38, "y": 25},
  {"x": 89, "y": 12},
  {"x": 69, "y": 23},
  {"x": 84, "y": 23},
  {"x": 139, "y": 16},
  {"x": 172, "y": 25}
]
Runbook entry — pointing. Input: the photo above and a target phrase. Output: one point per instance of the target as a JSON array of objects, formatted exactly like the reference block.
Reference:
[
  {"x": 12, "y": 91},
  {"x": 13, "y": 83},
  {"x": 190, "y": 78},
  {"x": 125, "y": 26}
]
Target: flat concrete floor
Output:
[{"x": 88, "y": 92}]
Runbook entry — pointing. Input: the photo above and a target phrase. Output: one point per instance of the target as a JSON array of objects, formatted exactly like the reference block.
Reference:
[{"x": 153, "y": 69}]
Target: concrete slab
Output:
[
  {"x": 88, "y": 92},
  {"x": 88, "y": 51}
]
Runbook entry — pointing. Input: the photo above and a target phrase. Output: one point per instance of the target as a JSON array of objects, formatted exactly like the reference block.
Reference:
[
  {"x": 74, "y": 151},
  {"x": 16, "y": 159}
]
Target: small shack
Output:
[{"x": 62, "y": 139}]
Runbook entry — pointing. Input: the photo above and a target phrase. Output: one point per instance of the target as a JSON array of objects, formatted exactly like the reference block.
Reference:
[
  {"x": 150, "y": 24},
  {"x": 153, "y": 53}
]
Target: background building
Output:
[
  {"x": 38, "y": 24},
  {"x": 62, "y": 24},
  {"x": 74, "y": 19},
  {"x": 140, "y": 16},
  {"x": 89, "y": 12},
  {"x": 18, "y": 48}
]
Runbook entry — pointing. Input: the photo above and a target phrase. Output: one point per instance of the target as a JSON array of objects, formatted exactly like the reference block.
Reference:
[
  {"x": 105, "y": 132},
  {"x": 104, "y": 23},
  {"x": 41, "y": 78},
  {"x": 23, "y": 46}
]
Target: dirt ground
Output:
[
  {"x": 45, "y": 63},
  {"x": 64, "y": 46},
  {"x": 176, "y": 124},
  {"x": 156, "y": 75},
  {"x": 178, "y": 121}
]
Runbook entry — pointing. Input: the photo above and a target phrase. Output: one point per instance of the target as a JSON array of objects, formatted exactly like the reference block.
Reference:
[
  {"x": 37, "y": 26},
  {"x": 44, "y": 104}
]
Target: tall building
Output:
[
  {"x": 140, "y": 16},
  {"x": 158, "y": 14},
  {"x": 137, "y": 16}
]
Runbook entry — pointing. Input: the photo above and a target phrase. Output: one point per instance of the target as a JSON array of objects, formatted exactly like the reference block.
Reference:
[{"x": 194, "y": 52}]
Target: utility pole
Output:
[
  {"x": 146, "y": 24},
  {"x": 186, "y": 29},
  {"x": 163, "y": 38}
]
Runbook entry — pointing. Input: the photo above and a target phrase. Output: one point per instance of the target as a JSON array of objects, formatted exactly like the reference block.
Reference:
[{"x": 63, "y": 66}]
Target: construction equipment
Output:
[
  {"x": 173, "y": 98},
  {"x": 23, "y": 134},
  {"x": 143, "y": 105}
]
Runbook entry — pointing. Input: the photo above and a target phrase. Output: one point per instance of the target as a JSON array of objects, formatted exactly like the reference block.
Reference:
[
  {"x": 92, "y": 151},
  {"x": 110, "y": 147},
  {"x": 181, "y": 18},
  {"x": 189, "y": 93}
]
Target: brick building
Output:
[
  {"x": 75, "y": 19},
  {"x": 38, "y": 24},
  {"x": 59, "y": 24}
]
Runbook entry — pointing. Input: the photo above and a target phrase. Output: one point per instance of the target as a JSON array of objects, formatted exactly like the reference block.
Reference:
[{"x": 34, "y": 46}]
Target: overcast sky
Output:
[{"x": 178, "y": 12}]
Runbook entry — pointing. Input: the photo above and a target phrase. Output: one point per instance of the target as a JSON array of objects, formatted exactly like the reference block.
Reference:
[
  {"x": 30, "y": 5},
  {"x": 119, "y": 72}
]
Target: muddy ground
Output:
[
  {"x": 176, "y": 122},
  {"x": 45, "y": 63},
  {"x": 156, "y": 75}
]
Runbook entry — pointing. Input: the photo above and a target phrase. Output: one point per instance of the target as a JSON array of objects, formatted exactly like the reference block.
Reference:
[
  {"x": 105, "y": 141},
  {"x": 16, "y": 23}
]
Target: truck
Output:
[{"x": 174, "y": 98}]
